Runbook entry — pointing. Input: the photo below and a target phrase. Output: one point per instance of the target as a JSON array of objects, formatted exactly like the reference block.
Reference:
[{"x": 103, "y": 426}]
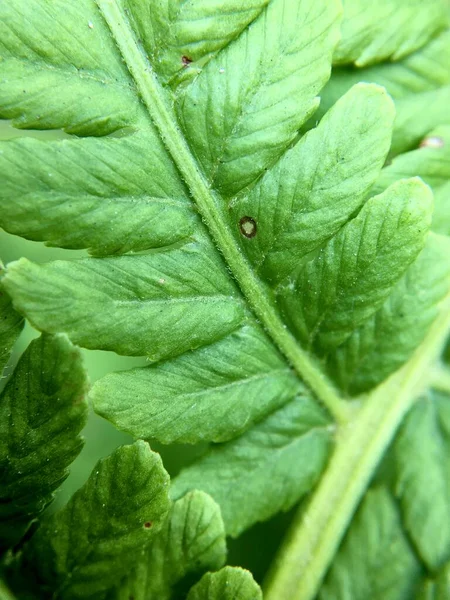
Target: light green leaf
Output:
[
  {"x": 351, "y": 277},
  {"x": 160, "y": 304},
  {"x": 314, "y": 189},
  {"x": 388, "y": 339},
  {"x": 437, "y": 588},
  {"x": 88, "y": 546},
  {"x": 42, "y": 412},
  {"x": 419, "y": 85},
  {"x": 372, "y": 32},
  {"x": 62, "y": 70},
  {"x": 422, "y": 459},
  {"x": 432, "y": 163},
  {"x": 230, "y": 583},
  {"x": 198, "y": 396},
  {"x": 60, "y": 193},
  {"x": 289, "y": 448},
  {"x": 375, "y": 560},
  {"x": 424, "y": 70},
  {"x": 10, "y": 327},
  {"x": 417, "y": 115},
  {"x": 184, "y": 35},
  {"x": 240, "y": 120},
  {"x": 5, "y": 594},
  {"x": 191, "y": 542}
]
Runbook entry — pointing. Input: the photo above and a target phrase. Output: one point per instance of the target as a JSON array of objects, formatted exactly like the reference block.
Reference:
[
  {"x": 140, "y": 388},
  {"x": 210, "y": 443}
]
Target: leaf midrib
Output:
[{"x": 161, "y": 114}]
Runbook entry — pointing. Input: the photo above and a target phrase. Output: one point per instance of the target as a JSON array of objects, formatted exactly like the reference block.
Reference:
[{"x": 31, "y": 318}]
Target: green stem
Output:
[
  {"x": 315, "y": 534},
  {"x": 211, "y": 210}
]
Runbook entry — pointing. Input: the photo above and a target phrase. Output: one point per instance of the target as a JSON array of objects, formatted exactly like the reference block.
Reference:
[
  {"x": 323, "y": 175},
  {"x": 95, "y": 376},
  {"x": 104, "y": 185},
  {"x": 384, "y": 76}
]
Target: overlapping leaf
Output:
[
  {"x": 387, "y": 340},
  {"x": 354, "y": 273},
  {"x": 422, "y": 459},
  {"x": 431, "y": 161},
  {"x": 236, "y": 474},
  {"x": 387, "y": 29},
  {"x": 42, "y": 411},
  {"x": 402, "y": 522},
  {"x": 375, "y": 560},
  {"x": 88, "y": 546},
  {"x": 315, "y": 188},
  {"x": 10, "y": 327},
  {"x": 191, "y": 542},
  {"x": 419, "y": 84},
  {"x": 230, "y": 583}
]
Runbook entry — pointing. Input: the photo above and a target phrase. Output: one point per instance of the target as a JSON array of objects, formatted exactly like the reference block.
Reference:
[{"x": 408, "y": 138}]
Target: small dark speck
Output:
[
  {"x": 186, "y": 60},
  {"x": 148, "y": 524}
]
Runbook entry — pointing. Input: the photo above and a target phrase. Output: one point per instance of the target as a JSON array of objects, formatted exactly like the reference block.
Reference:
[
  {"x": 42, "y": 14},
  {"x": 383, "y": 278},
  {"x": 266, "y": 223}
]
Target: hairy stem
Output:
[
  {"x": 315, "y": 534},
  {"x": 212, "y": 212}
]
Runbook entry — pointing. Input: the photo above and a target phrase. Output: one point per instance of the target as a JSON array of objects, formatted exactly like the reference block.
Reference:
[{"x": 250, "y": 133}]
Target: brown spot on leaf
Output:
[
  {"x": 247, "y": 226},
  {"x": 186, "y": 60},
  {"x": 148, "y": 524},
  {"x": 434, "y": 141}
]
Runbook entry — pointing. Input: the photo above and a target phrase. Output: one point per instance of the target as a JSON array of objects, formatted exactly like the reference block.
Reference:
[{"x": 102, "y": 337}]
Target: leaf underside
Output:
[
  {"x": 402, "y": 521},
  {"x": 42, "y": 411},
  {"x": 337, "y": 240}
]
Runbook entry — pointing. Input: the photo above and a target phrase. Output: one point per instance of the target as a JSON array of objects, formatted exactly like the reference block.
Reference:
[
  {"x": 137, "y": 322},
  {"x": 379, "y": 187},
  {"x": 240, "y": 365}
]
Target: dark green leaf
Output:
[
  {"x": 191, "y": 542},
  {"x": 42, "y": 411},
  {"x": 92, "y": 543},
  {"x": 10, "y": 327}
]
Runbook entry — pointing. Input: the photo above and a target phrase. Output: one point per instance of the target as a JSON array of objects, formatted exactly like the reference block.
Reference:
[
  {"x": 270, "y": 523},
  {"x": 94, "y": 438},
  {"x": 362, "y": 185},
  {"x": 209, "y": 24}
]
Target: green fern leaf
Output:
[
  {"x": 387, "y": 569},
  {"x": 261, "y": 272},
  {"x": 104, "y": 526},
  {"x": 42, "y": 411},
  {"x": 387, "y": 30},
  {"x": 230, "y": 583},
  {"x": 10, "y": 327},
  {"x": 236, "y": 473},
  {"x": 419, "y": 84},
  {"x": 192, "y": 541},
  {"x": 431, "y": 161}
]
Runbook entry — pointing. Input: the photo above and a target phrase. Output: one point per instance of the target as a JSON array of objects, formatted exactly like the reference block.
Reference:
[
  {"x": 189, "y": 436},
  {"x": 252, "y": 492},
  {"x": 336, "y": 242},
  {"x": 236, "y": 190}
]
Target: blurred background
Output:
[{"x": 255, "y": 547}]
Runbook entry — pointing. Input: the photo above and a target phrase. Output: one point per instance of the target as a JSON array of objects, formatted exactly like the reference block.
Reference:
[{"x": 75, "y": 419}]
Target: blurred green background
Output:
[{"x": 255, "y": 548}]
